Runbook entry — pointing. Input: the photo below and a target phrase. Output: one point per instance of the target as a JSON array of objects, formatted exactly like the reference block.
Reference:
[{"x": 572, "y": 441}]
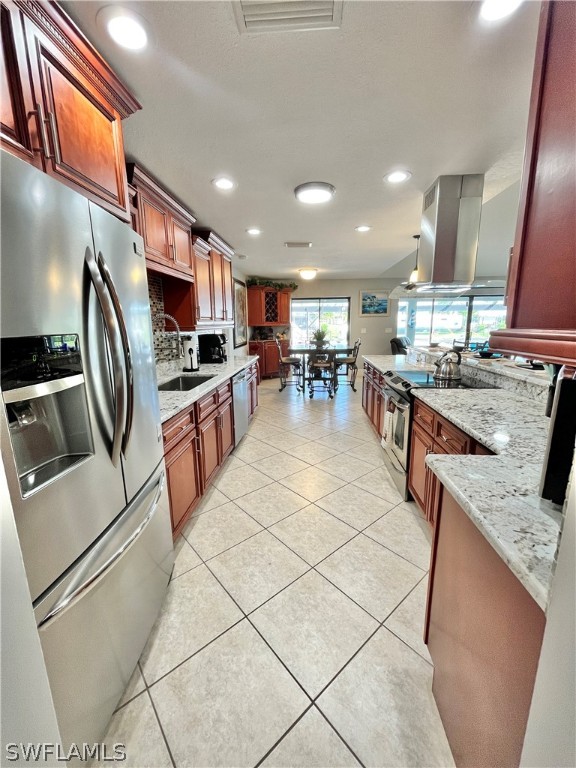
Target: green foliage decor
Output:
[{"x": 266, "y": 282}]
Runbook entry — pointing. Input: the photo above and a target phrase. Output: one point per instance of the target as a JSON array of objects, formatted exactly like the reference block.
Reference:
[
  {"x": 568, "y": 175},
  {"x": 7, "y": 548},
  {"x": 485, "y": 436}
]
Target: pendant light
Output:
[{"x": 413, "y": 279}]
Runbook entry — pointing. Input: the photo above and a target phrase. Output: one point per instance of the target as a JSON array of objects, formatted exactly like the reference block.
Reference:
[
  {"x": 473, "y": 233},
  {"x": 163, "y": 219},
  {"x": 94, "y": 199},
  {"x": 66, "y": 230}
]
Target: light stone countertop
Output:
[
  {"x": 499, "y": 493},
  {"x": 173, "y": 402}
]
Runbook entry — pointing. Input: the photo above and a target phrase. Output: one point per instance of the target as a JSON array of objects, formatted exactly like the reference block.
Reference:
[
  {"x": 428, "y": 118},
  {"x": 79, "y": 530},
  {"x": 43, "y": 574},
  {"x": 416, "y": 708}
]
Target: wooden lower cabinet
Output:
[
  {"x": 484, "y": 632},
  {"x": 182, "y": 468},
  {"x": 432, "y": 433},
  {"x": 372, "y": 397},
  {"x": 216, "y": 435},
  {"x": 267, "y": 352},
  {"x": 196, "y": 443}
]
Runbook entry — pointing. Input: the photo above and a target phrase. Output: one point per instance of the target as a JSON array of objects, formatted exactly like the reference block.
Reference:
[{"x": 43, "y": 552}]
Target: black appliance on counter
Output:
[{"x": 212, "y": 348}]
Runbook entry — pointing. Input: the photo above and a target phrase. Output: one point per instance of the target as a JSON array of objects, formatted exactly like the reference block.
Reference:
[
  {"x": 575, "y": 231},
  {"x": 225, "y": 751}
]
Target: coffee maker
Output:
[{"x": 212, "y": 347}]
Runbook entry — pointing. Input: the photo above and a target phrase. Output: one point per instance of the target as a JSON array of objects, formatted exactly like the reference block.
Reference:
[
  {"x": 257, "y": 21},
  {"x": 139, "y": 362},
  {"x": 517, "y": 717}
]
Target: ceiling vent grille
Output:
[
  {"x": 285, "y": 15},
  {"x": 294, "y": 244}
]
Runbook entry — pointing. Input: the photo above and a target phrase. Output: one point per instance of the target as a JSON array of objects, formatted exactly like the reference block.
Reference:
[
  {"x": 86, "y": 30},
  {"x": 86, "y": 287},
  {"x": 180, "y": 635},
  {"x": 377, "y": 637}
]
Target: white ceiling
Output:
[{"x": 415, "y": 84}]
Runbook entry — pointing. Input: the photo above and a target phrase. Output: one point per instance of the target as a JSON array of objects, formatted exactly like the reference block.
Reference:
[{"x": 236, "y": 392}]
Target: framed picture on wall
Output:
[
  {"x": 240, "y": 314},
  {"x": 374, "y": 303}
]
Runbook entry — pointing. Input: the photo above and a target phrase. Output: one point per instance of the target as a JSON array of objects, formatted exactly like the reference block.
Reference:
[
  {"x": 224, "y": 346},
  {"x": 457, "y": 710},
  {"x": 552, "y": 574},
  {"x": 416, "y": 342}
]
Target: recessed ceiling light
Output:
[
  {"x": 223, "y": 182},
  {"x": 308, "y": 273},
  {"x": 125, "y": 27},
  {"x": 254, "y": 231},
  {"x": 314, "y": 192},
  {"x": 397, "y": 177},
  {"x": 493, "y": 10},
  {"x": 363, "y": 228}
]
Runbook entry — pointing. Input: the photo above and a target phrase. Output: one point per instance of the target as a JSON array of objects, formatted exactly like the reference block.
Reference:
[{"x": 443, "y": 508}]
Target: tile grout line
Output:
[
  {"x": 161, "y": 728},
  {"x": 315, "y": 705},
  {"x": 273, "y": 747}
]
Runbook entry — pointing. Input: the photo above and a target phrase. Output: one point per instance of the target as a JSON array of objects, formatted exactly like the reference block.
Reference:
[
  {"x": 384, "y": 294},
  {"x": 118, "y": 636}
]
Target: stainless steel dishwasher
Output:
[{"x": 241, "y": 405}]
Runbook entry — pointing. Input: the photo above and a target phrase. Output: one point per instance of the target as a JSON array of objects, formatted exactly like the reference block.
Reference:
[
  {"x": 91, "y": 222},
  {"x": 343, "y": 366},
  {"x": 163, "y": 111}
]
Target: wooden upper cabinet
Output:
[
  {"x": 62, "y": 105},
  {"x": 268, "y": 306},
  {"x": 165, "y": 226},
  {"x": 541, "y": 317},
  {"x": 214, "y": 281},
  {"x": 16, "y": 105},
  {"x": 203, "y": 282}
]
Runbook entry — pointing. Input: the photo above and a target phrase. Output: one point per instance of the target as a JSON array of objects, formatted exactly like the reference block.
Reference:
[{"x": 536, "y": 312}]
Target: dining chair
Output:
[
  {"x": 320, "y": 374},
  {"x": 287, "y": 365},
  {"x": 348, "y": 365}
]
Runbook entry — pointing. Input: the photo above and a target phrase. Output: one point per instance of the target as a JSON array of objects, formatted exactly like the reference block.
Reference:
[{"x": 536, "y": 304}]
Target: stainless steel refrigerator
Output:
[{"x": 81, "y": 439}]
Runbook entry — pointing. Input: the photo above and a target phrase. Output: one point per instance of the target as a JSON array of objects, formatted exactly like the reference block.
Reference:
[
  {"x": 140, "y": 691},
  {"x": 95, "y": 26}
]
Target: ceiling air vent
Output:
[
  {"x": 294, "y": 244},
  {"x": 285, "y": 15}
]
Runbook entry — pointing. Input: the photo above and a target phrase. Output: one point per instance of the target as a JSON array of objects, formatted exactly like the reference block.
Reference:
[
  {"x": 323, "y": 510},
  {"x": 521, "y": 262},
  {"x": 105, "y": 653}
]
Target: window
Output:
[
  {"x": 331, "y": 315},
  {"x": 468, "y": 319}
]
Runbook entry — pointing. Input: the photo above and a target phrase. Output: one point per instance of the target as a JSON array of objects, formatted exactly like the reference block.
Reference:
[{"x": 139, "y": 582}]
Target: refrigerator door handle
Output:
[
  {"x": 107, "y": 277},
  {"x": 68, "y": 600},
  {"x": 110, "y": 323}
]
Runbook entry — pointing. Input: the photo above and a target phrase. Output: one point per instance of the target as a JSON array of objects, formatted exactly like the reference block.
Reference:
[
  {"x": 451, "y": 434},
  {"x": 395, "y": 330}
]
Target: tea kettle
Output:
[{"x": 448, "y": 370}]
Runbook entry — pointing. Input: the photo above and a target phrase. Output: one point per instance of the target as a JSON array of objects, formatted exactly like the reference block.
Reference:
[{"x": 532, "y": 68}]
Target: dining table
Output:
[{"x": 329, "y": 354}]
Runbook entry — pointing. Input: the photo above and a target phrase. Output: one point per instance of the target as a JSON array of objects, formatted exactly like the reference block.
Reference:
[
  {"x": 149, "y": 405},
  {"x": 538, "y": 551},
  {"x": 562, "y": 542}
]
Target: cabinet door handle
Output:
[
  {"x": 172, "y": 251},
  {"x": 444, "y": 438},
  {"x": 39, "y": 112},
  {"x": 55, "y": 141}
]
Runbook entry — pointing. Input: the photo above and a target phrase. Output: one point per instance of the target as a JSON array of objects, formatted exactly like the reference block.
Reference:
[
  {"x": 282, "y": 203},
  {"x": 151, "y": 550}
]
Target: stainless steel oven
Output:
[
  {"x": 396, "y": 435},
  {"x": 397, "y": 420}
]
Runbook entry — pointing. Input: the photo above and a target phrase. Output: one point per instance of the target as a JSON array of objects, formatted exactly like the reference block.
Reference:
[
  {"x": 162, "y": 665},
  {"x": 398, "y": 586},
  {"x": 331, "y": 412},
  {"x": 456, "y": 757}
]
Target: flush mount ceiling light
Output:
[
  {"x": 494, "y": 10},
  {"x": 125, "y": 27},
  {"x": 363, "y": 228},
  {"x": 397, "y": 177},
  {"x": 254, "y": 231},
  {"x": 308, "y": 273},
  {"x": 223, "y": 182},
  {"x": 314, "y": 192}
]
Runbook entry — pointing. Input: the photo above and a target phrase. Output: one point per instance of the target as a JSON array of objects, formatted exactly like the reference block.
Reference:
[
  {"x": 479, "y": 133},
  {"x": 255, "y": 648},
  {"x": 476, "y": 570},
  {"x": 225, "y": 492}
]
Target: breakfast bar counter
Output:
[{"x": 499, "y": 493}]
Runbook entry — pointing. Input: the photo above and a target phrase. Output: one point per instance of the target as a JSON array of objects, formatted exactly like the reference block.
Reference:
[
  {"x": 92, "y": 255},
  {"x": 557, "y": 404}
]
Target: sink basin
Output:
[{"x": 183, "y": 383}]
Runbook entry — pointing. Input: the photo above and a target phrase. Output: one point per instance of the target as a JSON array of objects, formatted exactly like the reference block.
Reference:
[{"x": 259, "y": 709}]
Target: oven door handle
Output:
[{"x": 401, "y": 407}]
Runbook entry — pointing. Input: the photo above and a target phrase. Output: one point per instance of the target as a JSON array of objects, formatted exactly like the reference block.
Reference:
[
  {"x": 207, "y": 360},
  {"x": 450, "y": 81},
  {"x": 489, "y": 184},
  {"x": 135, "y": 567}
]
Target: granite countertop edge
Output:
[
  {"x": 171, "y": 403},
  {"x": 498, "y": 493}
]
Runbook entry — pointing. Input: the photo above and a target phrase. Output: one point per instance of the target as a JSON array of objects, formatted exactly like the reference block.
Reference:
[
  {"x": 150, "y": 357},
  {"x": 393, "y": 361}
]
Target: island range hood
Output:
[{"x": 449, "y": 233}]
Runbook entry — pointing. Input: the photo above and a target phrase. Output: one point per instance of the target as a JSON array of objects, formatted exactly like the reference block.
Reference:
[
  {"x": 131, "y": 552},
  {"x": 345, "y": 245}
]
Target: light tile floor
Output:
[{"x": 291, "y": 634}]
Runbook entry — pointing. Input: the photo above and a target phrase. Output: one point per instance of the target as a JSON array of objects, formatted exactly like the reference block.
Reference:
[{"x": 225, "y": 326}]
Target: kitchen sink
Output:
[{"x": 183, "y": 383}]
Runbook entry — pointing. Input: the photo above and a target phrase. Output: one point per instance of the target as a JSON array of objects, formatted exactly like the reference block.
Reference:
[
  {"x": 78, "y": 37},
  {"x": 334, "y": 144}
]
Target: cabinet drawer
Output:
[
  {"x": 424, "y": 416},
  {"x": 224, "y": 391},
  {"x": 206, "y": 405},
  {"x": 175, "y": 429},
  {"x": 451, "y": 438}
]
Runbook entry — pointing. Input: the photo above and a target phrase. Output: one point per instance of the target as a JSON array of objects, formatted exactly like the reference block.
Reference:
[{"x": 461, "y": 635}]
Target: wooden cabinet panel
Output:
[
  {"x": 284, "y": 307},
  {"x": 206, "y": 405},
  {"x": 203, "y": 286},
  {"x": 268, "y": 306},
  {"x": 166, "y": 227},
  {"x": 18, "y": 132},
  {"x": 217, "y": 285},
  {"x": 184, "y": 488},
  {"x": 182, "y": 246},
  {"x": 208, "y": 432},
  {"x": 227, "y": 288},
  {"x": 267, "y": 351},
  {"x": 154, "y": 228},
  {"x": 424, "y": 416},
  {"x": 421, "y": 445},
  {"x": 453, "y": 439},
  {"x": 253, "y": 389},
  {"x": 541, "y": 316},
  {"x": 226, "y": 416},
  {"x": 175, "y": 429},
  {"x": 484, "y": 633},
  {"x": 85, "y": 135}
]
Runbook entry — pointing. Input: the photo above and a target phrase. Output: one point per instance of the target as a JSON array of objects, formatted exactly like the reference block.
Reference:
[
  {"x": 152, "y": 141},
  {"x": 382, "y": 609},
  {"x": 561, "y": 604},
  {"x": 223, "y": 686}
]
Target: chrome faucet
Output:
[{"x": 173, "y": 320}]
